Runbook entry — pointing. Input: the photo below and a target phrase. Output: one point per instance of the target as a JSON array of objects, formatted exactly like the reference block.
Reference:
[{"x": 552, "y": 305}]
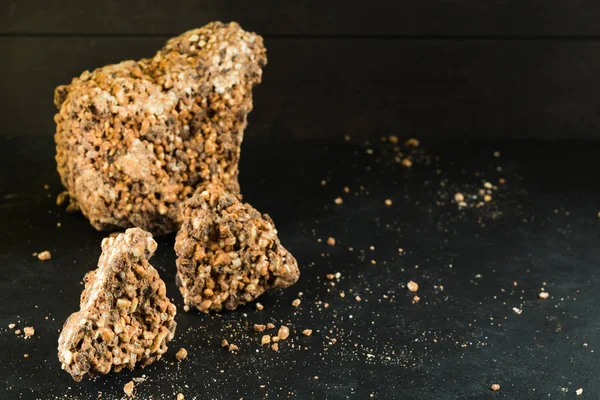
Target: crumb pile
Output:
[
  {"x": 134, "y": 139},
  {"x": 228, "y": 253},
  {"x": 125, "y": 317}
]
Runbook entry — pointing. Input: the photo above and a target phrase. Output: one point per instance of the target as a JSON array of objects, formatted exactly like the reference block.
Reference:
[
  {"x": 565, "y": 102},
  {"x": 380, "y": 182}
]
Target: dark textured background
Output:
[{"x": 438, "y": 68}]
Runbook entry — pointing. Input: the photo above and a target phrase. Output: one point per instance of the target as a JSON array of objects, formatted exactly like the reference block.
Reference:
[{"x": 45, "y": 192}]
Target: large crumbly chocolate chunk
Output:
[
  {"x": 125, "y": 317},
  {"x": 133, "y": 140},
  {"x": 228, "y": 253}
]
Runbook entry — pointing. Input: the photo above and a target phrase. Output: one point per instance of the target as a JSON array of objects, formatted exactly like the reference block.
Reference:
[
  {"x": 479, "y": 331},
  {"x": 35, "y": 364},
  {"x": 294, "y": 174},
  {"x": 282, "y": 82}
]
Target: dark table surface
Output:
[{"x": 475, "y": 266}]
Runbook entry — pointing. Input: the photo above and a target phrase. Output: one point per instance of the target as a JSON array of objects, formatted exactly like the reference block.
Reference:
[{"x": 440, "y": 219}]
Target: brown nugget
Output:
[
  {"x": 228, "y": 253},
  {"x": 134, "y": 139},
  {"x": 125, "y": 316}
]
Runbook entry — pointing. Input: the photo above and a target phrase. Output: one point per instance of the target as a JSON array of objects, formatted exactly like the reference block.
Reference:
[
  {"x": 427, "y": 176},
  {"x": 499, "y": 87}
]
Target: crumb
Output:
[
  {"x": 270, "y": 325},
  {"x": 58, "y": 224},
  {"x": 357, "y": 298},
  {"x": 11, "y": 326},
  {"x": 62, "y": 198},
  {"x": 331, "y": 241},
  {"x": 29, "y": 331},
  {"x": 412, "y": 286},
  {"x": 579, "y": 391},
  {"x": 330, "y": 276},
  {"x": 346, "y": 189},
  {"x": 233, "y": 347},
  {"x": 495, "y": 387},
  {"x": 388, "y": 202},
  {"x": 266, "y": 339},
  {"x": 517, "y": 311},
  {"x": 585, "y": 345},
  {"x": 373, "y": 262},
  {"x": 543, "y": 295},
  {"x": 224, "y": 343},
  {"x": 347, "y": 138},
  {"x": 338, "y": 200},
  {"x": 502, "y": 181},
  {"x": 416, "y": 299},
  {"x": 342, "y": 295},
  {"x": 323, "y": 182},
  {"x": 259, "y": 306},
  {"x": 274, "y": 339},
  {"x": 296, "y": 303},
  {"x": 316, "y": 377},
  {"x": 412, "y": 142},
  {"x": 393, "y": 139},
  {"x": 487, "y": 198},
  {"x": 283, "y": 332},
  {"x": 46, "y": 186},
  {"x": 325, "y": 305},
  {"x": 407, "y": 163},
  {"x": 26, "y": 355},
  {"x": 459, "y": 198},
  {"x": 18, "y": 332},
  {"x": 181, "y": 354},
  {"x": 128, "y": 388},
  {"x": 180, "y": 396},
  {"x": 259, "y": 327},
  {"x": 186, "y": 308},
  {"x": 275, "y": 347},
  {"x": 44, "y": 255},
  {"x": 307, "y": 332},
  {"x": 496, "y": 154}
]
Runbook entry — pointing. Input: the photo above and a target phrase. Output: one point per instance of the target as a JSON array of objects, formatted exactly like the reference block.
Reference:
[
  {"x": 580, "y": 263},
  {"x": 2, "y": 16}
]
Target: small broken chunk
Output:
[
  {"x": 259, "y": 306},
  {"x": 180, "y": 396},
  {"x": 407, "y": 162},
  {"x": 495, "y": 387},
  {"x": 11, "y": 326},
  {"x": 228, "y": 253},
  {"x": 307, "y": 332},
  {"x": 412, "y": 142},
  {"x": 107, "y": 334},
  {"x": 224, "y": 343},
  {"x": 128, "y": 388},
  {"x": 416, "y": 299},
  {"x": 338, "y": 200},
  {"x": 62, "y": 198},
  {"x": 270, "y": 325},
  {"x": 283, "y": 332},
  {"x": 296, "y": 302},
  {"x": 266, "y": 339},
  {"x": 275, "y": 347},
  {"x": 412, "y": 286},
  {"x": 181, "y": 354},
  {"x": 543, "y": 295},
  {"x": 579, "y": 392},
  {"x": 331, "y": 241},
  {"x": 232, "y": 347},
  {"x": 388, "y": 202},
  {"x": 28, "y": 331},
  {"x": 259, "y": 327},
  {"x": 44, "y": 255},
  {"x": 459, "y": 198}
]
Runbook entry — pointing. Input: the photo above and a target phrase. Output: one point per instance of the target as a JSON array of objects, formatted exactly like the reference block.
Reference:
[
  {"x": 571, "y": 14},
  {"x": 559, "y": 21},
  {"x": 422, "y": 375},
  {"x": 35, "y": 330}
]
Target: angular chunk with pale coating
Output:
[
  {"x": 228, "y": 253},
  {"x": 125, "y": 317},
  {"x": 134, "y": 139}
]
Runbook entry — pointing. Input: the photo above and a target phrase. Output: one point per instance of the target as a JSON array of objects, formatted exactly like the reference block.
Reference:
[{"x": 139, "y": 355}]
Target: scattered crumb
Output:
[
  {"x": 543, "y": 295},
  {"x": 259, "y": 327},
  {"x": 459, "y": 198},
  {"x": 224, "y": 343},
  {"x": 18, "y": 332},
  {"x": 393, "y": 139},
  {"x": 325, "y": 305},
  {"x": 11, "y": 326},
  {"x": 323, "y": 182},
  {"x": 44, "y": 255},
  {"x": 331, "y": 241},
  {"x": 26, "y": 355},
  {"x": 579, "y": 391},
  {"x": 495, "y": 387},
  {"x": 517, "y": 311},
  {"x": 307, "y": 332},
  {"x": 128, "y": 388},
  {"x": 388, "y": 202},
  {"x": 180, "y": 396},
  {"x": 416, "y": 299},
  {"x": 330, "y": 276},
  {"x": 275, "y": 347},
  {"x": 181, "y": 354},
  {"x": 62, "y": 198},
  {"x": 346, "y": 189},
  {"x": 274, "y": 339},
  {"x": 407, "y": 163},
  {"x": 270, "y": 325},
  {"x": 357, "y": 298},
  {"x": 283, "y": 332},
  {"x": 496, "y": 154},
  {"x": 259, "y": 306},
  {"x": 316, "y": 377},
  {"x": 338, "y": 200},
  {"x": 296, "y": 303},
  {"x": 29, "y": 331},
  {"x": 266, "y": 339},
  {"x": 233, "y": 347},
  {"x": 487, "y": 198},
  {"x": 412, "y": 286}
]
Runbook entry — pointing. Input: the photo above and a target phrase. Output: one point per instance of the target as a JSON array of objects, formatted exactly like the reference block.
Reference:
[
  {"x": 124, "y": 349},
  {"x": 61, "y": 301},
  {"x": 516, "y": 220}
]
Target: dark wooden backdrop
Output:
[{"x": 441, "y": 68}]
